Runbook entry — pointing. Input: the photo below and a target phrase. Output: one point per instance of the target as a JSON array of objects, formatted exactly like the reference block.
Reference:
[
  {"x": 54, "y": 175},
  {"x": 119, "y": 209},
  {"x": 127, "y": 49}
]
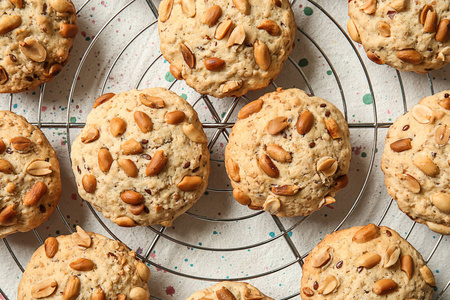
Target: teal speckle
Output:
[
  {"x": 73, "y": 120},
  {"x": 367, "y": 99},
  {"x": 169, "y": 77},
  {"x": 308, "y": 11},
  {"x": 184, "y": 96},
  {"x": 214, "y": 232},
  {"x": 364, "y": 154},
  {"x": 303, "y": 62},
  {"x": 272, "y": 234},
  {"x": 329, "y": 72}
]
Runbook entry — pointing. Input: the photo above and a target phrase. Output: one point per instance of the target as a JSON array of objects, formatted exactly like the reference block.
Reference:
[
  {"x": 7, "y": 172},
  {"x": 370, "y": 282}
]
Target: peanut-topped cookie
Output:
[
  {"x": 230, "y": 291},
  {"x": 30, "y": 182},
  {"x": 84, "y": 265},
  {"x": 142, "y": 158},
  {"x": 289, "y": 153},
  {"x": 226, "y": 48},
  {"x": 366, "y": 262},
  {"x": 35, "y": 40},
  {"x": 406, "y": 35},
  {"x": 416, "y": 162}
]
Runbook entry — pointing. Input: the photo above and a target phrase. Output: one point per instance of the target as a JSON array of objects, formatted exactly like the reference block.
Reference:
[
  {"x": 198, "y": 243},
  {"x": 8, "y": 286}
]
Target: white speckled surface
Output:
[{"x": 247, "y": 262}]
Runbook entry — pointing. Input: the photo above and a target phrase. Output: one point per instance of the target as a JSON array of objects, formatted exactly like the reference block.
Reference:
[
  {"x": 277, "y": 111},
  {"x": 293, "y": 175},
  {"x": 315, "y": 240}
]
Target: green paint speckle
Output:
[
  {"x": 73, "y": 120},
  {"x": 184, "y": 96},
  {"x": 303, "y": 62},
  {"x": 364, "y": 154},
  {"x": 329, "y": 72},
  {"x": 367, "y": 99},
  {"x": 169, "y": 77},
  {"x": 308, "y": 11}
]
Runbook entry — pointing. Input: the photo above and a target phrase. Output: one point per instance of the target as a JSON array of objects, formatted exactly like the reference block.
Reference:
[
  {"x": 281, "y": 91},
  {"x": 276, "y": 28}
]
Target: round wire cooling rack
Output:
[{"x": 221, "y": 125}]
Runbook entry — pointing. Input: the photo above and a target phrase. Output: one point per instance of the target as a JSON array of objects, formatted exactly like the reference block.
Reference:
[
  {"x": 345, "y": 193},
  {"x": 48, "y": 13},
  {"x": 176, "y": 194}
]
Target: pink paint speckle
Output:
[
  {"x": 153, "y": 255},
  {"x": 170, "y": 290},
  {"x": 44, "y": 108},
  {"x": 74, "y": 196}
]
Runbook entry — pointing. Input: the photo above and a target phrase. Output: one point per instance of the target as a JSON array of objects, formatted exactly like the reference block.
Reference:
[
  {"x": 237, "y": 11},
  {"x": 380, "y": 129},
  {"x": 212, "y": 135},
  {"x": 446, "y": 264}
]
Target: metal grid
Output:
[{"x": 221, "y": 125}]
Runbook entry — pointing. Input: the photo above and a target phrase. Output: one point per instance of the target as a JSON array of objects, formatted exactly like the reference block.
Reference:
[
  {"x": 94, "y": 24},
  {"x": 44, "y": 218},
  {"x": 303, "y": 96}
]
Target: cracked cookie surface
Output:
[
  {"x": 416, "y": 162},
  {"x": 288, "y": 153},
  {"x": 30, "y": 182},
  {"x": 229, "y": 290},
  {"x": 226, "y": 48},
  {"x": 142, "y": 158}
]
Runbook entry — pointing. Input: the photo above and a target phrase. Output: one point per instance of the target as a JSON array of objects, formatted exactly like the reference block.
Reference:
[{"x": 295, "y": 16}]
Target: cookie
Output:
[
  {"x": 229, "y": 290},
  {"x": 30, "y": 182},
  {"x": 84, "y": 265},
  {"x": 35, "y": 40},
  {"x": 142, "y": 158},
  {"x": 226, "y": 48},
  {"x": 367, "y": 262},
  {"x": 289, "y": 153},
  {"x": 406, "y": 35},
  {"x": 416, "y": 162}
]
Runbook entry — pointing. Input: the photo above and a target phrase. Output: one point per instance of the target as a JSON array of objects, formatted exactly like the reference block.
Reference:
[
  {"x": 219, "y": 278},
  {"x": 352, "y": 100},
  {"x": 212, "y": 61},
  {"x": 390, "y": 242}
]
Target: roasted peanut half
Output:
[
  {"x": 143, "y": 121},
  {"x": 443, "y": 31},
  {"x": 241, "y": 197},
  {"x": 222, "y": 29},
  {"x": 368, "y": 260},
  {"x": 285, "y": 190},
  {"x": 9, "y": 23},
  {"x": 243, "y": 6},
  {"x": 366, "y": 234},
  {"x": 249, "y": 109},
  {"x": 353, "y": 31},
  {"x": 270, "y": 26},
  {"x": 129, "y": 167},
  {"x": 268, "y": 166},
  {"x": 175, "y": 117},
  {"x": 401, "y": 145},
  {"x": 82, "y": 264},
  {"x": 152, "y": 101},
  {"x": 278, "y": 153},
  {"x": 277, "y": 125},
  {"x": 117, "y": 126},
  {"x": 156, "y": 164},
  {"x": 35, "y": 194},
  {"x": 427, "y": 275},
  {"x": 262, "y": 55},
  {"x": 305, "y": 122},
  {"x": 333, "y": 128},
  {"x": 165, "y": 9},
  {"x": 224, "y": 294},
  {"x": 233, "y": 169},
  {"x": 190, "y": 183},
  {"x": 44, "y": 289},
  {"x": 426, "y": 165},
  {"x": 188, "y": 56},
  {"x": 407, "y": 265},
  {"x": 328, "y": 285},
  {"x": 214, "y": 64},
  {"x": 105, "y": 160},
  {"x": 369, "y": 7},
  {"x": 102, "y": 99},
  {"x": 409, "y": 182},
  {"x": 5, "y": 166},
  {"x": 384, "y": 286},
  {"x": 391, "y": 256},
  {"x": 51, "y": 246},
  {"x": 321, "y": 257},
  {"x": 89, "y": 183},
  {"x": 211, "y": 15},
  {"x": 176, "y": 73},
  {"x": 72, "y": 289},
  {"x": 91, "y": 135},
  {"x": 21, "y": 143},
  {"x": 132, "y": 147},
  {"x": 423, "y": 114},
  {"x": 131, "y": 197}
]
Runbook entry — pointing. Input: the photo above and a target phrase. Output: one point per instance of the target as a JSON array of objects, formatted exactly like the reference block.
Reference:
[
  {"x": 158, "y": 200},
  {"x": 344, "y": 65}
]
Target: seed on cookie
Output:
[
  {"x": 117, "y": 126},
  {"x": 241, "y": 197},
  {"x": 443, "y": 31},
  {"x": 136, "y": 209},
  {"x": 442, "y": 134},
  {"x": 368, "y": 260},
  {"x": 72, "y": 289},
  {"x": 190, "y": 183},
  {"x": 102, "y": 99},
  {"x": 165, "y": 9},
  {"x": 131, "y": 147},
  {"x": 327, "y": 165},
  {"x": 35, "y": 194},
  {"x": 322, "y": 257},
  {"x": 5, "y": 166},
  {"x": 237, "y": 36},
  {"x": 276, "y": 125},
  {"x": 125, "y": 222},
  {"x": 270, "y": 26},
  {"x": 249, "y": 109},
  {"x": 278, "y": 153},
  {"x": 328, "y": 286},
  {"x": 98, "y": 294},
  {"x": 441, "y": 201},
  {"x": 39, "y": 168},
  {"x": 333, "y": 128},
  {"x": 89, "y": 183},
  {"x": 152, "y": 101},
  {"x": 211, "y": 15},
  {"x": 175, "y": 117},
  {"x": 243, "y": 6},
  {"x": 81, "y": 238},
  {"x": 214, "y": 63},
  {"x": 384, "y": 286},
  {"x": 305, "y": 122},
  {"x": 427, "y": 275},
  {"x": 366, "y": 234},
  {"x": 401, "y": 145},
  {"x": 268, "y": 166},
  {"x": 222, "y": 29},
  {"x": 233, "y": 169},
  {"x": 272, "y": 205},
  {"x": 8, "y": 215},
  {"x": 262, "y": 55},
  {"x": 21, "y": 143},
  {"x": 9, "y": 23},
  {"x": 131, "y": 197},
  {"x": 188, "y": 7},
  {"x": 409, "y": 182},
  {"x": 407, "y": 265},
  {"x": 33, "y": 49},
  {"x": 188, "y": 56},
  {"x": 426, "y": 165},
  {"x": 391, "y": 256},
  {"x": 285, "y": 190},
  {"x": 51, "y": 246},
  {"x": 44, "y": 289},
  {"x": 156, "y": 164}
]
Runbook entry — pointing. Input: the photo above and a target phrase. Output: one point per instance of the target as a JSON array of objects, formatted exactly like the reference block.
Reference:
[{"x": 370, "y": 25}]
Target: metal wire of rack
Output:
[{"x": 221, "y": 124}]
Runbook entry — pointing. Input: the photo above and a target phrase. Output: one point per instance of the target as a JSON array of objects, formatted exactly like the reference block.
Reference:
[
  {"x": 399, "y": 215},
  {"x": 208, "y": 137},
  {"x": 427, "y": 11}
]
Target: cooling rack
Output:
[{"x": 218, "y": 127}]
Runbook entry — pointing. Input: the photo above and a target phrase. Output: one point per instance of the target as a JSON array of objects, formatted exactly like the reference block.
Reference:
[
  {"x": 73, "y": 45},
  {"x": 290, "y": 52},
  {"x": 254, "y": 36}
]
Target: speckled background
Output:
[{"x": 324, "y": 55}]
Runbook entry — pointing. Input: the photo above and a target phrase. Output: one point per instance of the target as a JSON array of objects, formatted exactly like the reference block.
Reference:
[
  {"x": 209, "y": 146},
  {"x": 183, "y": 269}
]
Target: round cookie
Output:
[
  {"x": 226, "y": 48},
  {"x": 142, "y": 158},
  {"x": 35, "y": 40},
  {"x": 367, "y": 262},
  {"x": 84, "y": 265},
  {"x": 406, "y": 35},
  {"x": 288, "y": 153},
  {"x": 229, "y": 290},
  {"x": 30, "y": 182},
  {"x": 416, "y": 162}
]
